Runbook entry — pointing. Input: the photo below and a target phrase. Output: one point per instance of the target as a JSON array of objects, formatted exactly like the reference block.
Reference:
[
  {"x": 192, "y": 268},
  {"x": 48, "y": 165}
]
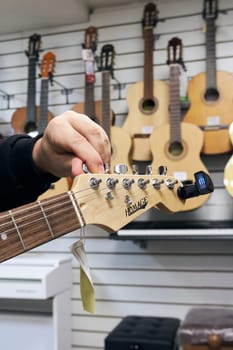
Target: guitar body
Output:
[
  {"x": 143, "y": 117},
  {"x": 121, "y": 146},
  {"x": 181, "y": 165},
  {"x": 228, "y": 170},
  {"x": 206, "y": 113},
  {"x": 80, "y": 108},
  {"x": 19, "y": 119}
]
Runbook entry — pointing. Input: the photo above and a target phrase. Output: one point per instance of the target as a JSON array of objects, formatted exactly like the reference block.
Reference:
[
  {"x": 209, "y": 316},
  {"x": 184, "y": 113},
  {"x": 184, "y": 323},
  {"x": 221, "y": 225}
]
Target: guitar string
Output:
[{"x": 49, "y": 207}]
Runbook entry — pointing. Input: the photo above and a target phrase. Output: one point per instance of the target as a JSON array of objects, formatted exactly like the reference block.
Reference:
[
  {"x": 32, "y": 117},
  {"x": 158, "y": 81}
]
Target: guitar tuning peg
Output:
[
  {"x": 120, "y": 168},
  {"x": 149, "y": 169},
  {"x": 162, "y": 170}
]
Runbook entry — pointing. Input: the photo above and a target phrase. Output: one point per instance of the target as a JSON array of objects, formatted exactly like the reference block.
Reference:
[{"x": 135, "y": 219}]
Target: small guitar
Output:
[
  {"x": 90, "y": 107},
  {"x": 24, "y": 119},
  {"x": 46, "y": 74},
  {"x": 211, "y": 93},
  {"x": 228, "y": 170},
  {"x": 148, "y": 101},
  {"x": 119, "y": 138},
  {"x": 108, "y": 200},
  {"x": 178, "y": 144}
]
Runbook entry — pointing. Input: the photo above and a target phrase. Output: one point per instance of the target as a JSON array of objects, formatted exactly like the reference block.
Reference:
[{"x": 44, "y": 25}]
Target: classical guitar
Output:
[
  {"x": 89, "y": 107},
  {"x": 228, "y": 170},
  {"x": 211, "y": 93},
  {"x": 178, "y": 144},
  {"x": 148, "y": 100},
  {"x": 119, "y": 138},
  {"x": 46, "y": 75},
  {"x": 24, "y": 119},
  {"x": 108, "y": 200}
]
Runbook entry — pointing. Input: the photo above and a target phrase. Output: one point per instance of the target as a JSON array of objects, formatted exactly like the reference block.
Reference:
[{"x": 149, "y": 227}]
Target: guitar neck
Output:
[
  {"x": 175, "y": 108},
  {"x": 210, "y": 54},
  {"x": 31, "y": 90},
  {"x": 43, "y": 119},
  {"x": 89, "y": 100},
  {"x": 148, "y": 63},
  {"x": 106, "y": 111},
  {"x": 27, "y": 227}
]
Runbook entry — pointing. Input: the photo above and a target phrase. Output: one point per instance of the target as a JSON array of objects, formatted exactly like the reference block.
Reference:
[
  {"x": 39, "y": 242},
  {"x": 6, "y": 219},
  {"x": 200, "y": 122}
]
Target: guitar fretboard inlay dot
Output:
[{"x": 3, "y": 236}]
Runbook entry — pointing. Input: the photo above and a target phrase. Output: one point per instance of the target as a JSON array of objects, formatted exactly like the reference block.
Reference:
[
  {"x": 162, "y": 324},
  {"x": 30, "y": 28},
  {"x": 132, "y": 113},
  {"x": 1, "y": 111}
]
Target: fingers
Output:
[{"x": 75, "y": 139}]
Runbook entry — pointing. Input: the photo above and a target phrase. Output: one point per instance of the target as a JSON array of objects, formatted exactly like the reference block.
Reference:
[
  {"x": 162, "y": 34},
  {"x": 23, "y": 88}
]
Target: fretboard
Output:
[
  {"x": 89, "y": 100},
  {"x": 175, "y": 108},
  {"x": 106, "y": 116},
  {"x": 210, "y": 54},
  {"x": 31, "y": 90},
  {"x": 43, "y": 119},
  {"x": 34, "y": 224},
  {"x": 148, "y": 63}
]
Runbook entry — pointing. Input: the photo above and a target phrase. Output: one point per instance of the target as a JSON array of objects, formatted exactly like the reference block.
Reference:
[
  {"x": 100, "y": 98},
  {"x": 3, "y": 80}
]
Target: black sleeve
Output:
[{"x": 21, "y": 181}]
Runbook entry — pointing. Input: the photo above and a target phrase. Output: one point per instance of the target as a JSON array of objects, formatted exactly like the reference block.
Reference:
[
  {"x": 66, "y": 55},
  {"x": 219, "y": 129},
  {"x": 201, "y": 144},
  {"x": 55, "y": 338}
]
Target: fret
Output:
[
  {"x": 45, "y": 217},
  {"x": 17, "y": 229}
]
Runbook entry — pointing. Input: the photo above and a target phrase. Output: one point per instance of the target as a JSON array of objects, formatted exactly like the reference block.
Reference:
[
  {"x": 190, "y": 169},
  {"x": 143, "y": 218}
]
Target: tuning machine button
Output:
[
  {"x": 111, "y": 183},
  {"x": 94, "y": 183},
  {"x": 120, "y": 168}
]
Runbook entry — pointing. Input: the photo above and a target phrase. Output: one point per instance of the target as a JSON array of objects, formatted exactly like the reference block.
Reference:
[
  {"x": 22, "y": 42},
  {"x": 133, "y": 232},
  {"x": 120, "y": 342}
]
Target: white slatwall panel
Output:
[{"x": 164, "y": 277}]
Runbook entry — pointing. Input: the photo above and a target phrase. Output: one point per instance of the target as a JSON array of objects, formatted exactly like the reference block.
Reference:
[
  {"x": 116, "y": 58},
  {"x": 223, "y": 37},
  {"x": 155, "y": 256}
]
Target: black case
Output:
[{"x": 143, "y": 333}]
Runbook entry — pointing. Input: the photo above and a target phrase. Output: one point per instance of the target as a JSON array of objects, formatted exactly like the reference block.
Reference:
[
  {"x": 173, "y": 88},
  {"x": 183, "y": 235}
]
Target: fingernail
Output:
[{"x": 101, "y": 168}]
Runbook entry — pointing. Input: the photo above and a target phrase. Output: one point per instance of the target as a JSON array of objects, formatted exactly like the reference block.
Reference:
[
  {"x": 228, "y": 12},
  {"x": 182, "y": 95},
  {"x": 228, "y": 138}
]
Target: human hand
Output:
[{"x": 69, "y": 141}]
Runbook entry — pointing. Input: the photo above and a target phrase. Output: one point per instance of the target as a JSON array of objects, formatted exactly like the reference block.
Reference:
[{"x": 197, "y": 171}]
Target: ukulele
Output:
[
  {"x": 178, "y": 144},
  {"x": 90, "y": 107},
  {"x": 228, "y": 170},
  {"x": 119, "y": 138},
  {"x": 147, "y": 100},
  {"x": 24, "y": 119},
  {"x": 46, "y": 75},
  {"x": 107, "y": 200},
  {"x": 211, "y": 94}
]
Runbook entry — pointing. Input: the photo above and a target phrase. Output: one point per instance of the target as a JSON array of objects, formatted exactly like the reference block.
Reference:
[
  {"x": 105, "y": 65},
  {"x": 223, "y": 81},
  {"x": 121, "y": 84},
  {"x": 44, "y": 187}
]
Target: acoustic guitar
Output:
[
  {"x": 46, "y": 75},
  {"x": 89, "y": 202},
  {"x": 148, "y": 100},
  {"x": 24, "y": 119},
  {"x": 90, "y": 107},
  {"x": 211, "y": 93},
  {"x": 177, "y": 144},
  {"x": 119, "y": 138}
]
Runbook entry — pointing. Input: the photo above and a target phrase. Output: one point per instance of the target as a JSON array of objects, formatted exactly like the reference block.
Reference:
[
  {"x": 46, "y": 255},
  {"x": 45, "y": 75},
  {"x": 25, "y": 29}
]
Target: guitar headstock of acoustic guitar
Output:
[
  {"x": 210, "y": 10},
  {"x": 114, "y": 200},
  {"x": 150, "y": 16},
  {"x": 47, "y": 65}
]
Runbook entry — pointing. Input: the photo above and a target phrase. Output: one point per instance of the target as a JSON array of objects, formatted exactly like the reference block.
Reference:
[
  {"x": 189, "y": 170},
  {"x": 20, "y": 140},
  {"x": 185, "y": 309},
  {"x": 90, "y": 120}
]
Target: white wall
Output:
[{"x": 164, "y": 277}]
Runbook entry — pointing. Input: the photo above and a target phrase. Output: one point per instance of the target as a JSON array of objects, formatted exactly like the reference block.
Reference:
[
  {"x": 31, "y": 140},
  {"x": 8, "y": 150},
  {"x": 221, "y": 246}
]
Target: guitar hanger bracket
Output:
[
  {"x": 7, "y": 97},
  {"x": 64, "y": 91}
]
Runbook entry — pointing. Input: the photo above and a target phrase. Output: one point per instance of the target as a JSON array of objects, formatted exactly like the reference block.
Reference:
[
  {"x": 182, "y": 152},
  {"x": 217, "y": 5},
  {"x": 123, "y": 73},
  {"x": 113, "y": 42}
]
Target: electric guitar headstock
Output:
[
  {"x": 107, "y": 57},
  {"x": 47, "y": 65},
  {"x": 113, "y": 200},
  {"x": 34, "y": 46},
  {"x": 150, "y": 16},
  {"x": 210, "y": 10}
]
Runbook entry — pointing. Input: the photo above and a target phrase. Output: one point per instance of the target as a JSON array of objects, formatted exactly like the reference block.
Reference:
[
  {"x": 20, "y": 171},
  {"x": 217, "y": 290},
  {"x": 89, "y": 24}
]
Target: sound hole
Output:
[
  {"x": 148, "y": 106},
  {"x": 211, "y": 94},
  {"x": 176, "y": 148}
]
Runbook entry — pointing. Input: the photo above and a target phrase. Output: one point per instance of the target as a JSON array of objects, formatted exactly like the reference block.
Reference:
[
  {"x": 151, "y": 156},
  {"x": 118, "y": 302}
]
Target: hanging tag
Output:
[{"x": 86, "y": 284}]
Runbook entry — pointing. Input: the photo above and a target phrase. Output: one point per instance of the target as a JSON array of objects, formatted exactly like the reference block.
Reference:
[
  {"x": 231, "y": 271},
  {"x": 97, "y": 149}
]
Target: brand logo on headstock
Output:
[{"x": 134, "y": 207}]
